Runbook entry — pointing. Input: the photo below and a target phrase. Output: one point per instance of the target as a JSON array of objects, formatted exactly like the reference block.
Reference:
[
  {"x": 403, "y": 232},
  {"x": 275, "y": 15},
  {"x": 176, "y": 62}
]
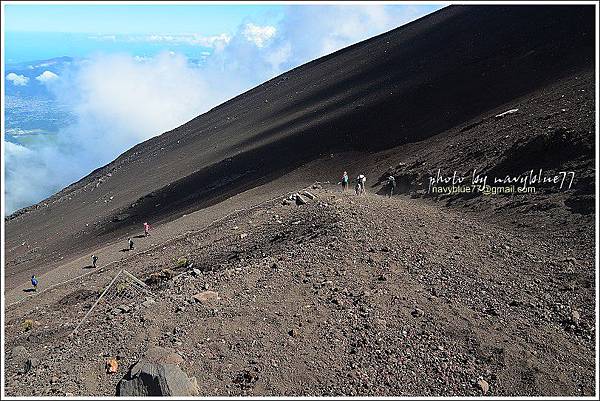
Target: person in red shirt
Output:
[{"x": 146, "y": 229}]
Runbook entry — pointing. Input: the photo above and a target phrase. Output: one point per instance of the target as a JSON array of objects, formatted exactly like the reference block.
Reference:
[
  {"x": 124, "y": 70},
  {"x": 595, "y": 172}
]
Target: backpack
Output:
[{"x": 34, "y": 281}]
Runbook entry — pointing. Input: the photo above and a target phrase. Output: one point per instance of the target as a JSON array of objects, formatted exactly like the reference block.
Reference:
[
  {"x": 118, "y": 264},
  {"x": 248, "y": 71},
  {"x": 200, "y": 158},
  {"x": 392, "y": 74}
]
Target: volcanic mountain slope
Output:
[
  {"x": 403, "y": 86},
  {"x": 344, "y": 295},
  {"x": 347, "y": 295}
]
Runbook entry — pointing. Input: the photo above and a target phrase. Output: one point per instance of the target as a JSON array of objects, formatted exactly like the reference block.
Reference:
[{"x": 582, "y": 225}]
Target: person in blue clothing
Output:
[
  {"x": 344, "y": 181},
  {"x": 34, "y": 282}
]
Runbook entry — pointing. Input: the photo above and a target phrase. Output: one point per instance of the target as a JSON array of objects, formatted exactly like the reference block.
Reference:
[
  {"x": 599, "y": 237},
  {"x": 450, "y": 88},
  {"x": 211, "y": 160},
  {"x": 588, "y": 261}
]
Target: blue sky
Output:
[
  {"x": 35, "y": 32},
  {"x": 47, "y": 31},
  {"x": 130, "y": 19}
]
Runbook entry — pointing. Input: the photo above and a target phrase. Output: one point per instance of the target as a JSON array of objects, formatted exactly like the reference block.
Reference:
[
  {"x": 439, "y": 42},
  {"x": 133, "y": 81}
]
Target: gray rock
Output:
[
  {"x": 309, "y": 195},
  {"x": 124, "y": 308},
  {"x": 121, "y": 217},
  {"x": 417, "y": 312},
  {"x": 575, "y": 317},
  {"x": 30, "y": 364},
  {"x": 506, "y": 113},
  {"x": 148, "y": 302},
  {"x": 19, "y": 353},
  {"x": 156, "y": 379},
  {"x": 300, "y": 200},
  {"x": 483, "y": 386},
  {"x": 120, "y": 309},
  {"x": 206, "y": 297}
]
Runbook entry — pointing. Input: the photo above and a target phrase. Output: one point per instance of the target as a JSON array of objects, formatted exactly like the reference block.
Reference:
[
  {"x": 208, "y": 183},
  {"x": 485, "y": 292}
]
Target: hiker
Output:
[
  {"x": 391, "y": 184},
  {"x": 94, "y": 260},
  {"x": 360, "y": 181},
  {"x": 130, "y": 244},
  {"x": 34, "y": 282},
  {"x": 146, "y": 229},
  {"x": 344, "y": 181}
]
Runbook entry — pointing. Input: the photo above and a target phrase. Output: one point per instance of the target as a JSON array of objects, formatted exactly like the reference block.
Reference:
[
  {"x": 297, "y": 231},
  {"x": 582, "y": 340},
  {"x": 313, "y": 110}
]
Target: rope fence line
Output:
[
  {"x": 178, "y": 237},
  {"x": 137, "y": 282},
  {"x": 96, "y": 303}
]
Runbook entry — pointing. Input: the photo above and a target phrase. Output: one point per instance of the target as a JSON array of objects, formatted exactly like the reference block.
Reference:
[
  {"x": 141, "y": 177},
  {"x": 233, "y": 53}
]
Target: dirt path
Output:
[{"x": 343, "y": 296}]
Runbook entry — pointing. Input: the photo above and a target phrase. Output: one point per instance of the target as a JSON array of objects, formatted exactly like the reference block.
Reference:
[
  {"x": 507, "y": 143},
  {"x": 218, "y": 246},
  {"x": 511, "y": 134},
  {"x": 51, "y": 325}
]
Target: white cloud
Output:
[
  {"x": 26, "y": 180},
  {"x": 17, "y": 80},
  {"x": 259, "y": 35},
  {"x": 46, "y": 76},
  {"x": 139, "y": 100},
  {"x": 193, "y": 39},
  {"x": 104, "y": 38},
  {"x": 118, "y": 102}
]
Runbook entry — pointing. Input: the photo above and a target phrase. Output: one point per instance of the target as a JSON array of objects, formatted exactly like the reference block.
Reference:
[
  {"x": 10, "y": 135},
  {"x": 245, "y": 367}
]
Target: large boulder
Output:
[{"x": 147, "y": 378}]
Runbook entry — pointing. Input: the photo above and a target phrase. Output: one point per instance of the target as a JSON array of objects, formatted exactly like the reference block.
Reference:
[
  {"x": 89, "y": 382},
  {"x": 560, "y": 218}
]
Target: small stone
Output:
[
  {"x": 206, "y": 296},
  {"x": 30, "y": 364},
  {"x": 491, "y": 312},
  {"x": 515, "y": 302},
  {"x": 300, "y": 200},
  {"x": 417, "y": 312},
  {"x": 19, "y": 352},
  {"x": 123, "y": 308},
  {"x": 148, "y": 302},
  {"x": 483, "y": 386},
  {"x": 309, "y": 195}
]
